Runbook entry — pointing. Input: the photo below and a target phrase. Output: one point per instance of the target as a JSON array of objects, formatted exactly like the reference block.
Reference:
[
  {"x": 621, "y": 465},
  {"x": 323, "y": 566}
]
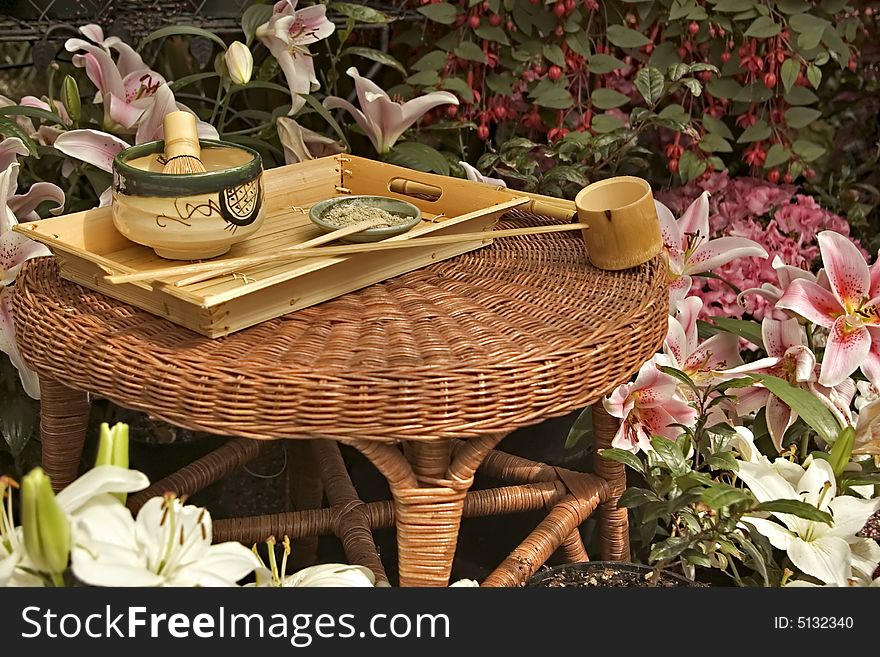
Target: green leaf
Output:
[
  {"x": 500, "y": 83},
  {"x": 623, "y": 456},
  {"x": 433, "y": 61},
  {"x": 690, "y": 166},
  {"x": 716, "y": 126},
  {"x": 252, "y": 18},
  {"x": 792, "y": 6},
  {"x": 801, "y": 117},
  {"x": 805, "y": 22},
  {"x": 635, "y": 497},
  {"x": 602, "y": 63},
  {"x": 424, "y": 79},
  {"x": 361, "y": 13},
  {"x": 187, "y": 80},
  {"x": 181, "y": 30},
  {"x": 418, "y": 156},
  {"x": 554, "y": 54},
  {"x": 579, "y": 43},
  {"x": 756, "y": 555},
  {"x": 756, "y": 132},
  {"x": 693, "y": 85},
  {"x": 727, "y": 88},
  {"x": 625, "y": 37},
  {"x": 668, "y": 549},
  {"x": 801, "y": 96},
  {"x": 32, "y": 112},
  {"x": 582, "y": 427},
  {"x": 442, "y": 12},
  {"x": 810, "y": 38},
  {"x": 712, "y": 143},
  {"x": 669, "y": 451},
  {"x": 608, "y": 98},
  {"x": 734, "y": 6},
  {"x": 677, "y": 71},
  {"x": 375, "y": 55},
  {"x": 470, "y": 51},
  {"x": 788, "y": 73},
  {"x": 18, "y": 419},
  {"x": 697, "y": 558},
  {"x": 316, "y": 105},
  {"x": 9, "y": 128},
  {"x": 777, "y": 155},
  {"x": 841, "y": 451},
  {"x": 493, "y": 33},
  {"x": 605, "y": 123},
  {"x": 555, "y": 97},
  {"x": 810, "y": 409},
  {"x": 814, "y": 75},
  {"x": 674, "y": 112},
  {"x": 261, "y": 84},
  {"x": 750, "y": 331},
  {"x": 796, "y": 508},
  {"x": 681, "y": 376},
  {"x": 649, "y": 81},
  {"x": 460, "y": 88},
  {"x": 721, "y": 496},
  {"x": 763, "y": 28},
  {"x": 807, "y": 149},
  {"x": 723, "y": 461}
]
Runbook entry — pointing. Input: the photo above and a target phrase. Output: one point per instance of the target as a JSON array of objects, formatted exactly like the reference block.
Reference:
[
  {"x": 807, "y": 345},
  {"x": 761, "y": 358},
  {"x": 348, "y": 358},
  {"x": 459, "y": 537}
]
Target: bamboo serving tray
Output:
[{"x": 87, "y": 245}]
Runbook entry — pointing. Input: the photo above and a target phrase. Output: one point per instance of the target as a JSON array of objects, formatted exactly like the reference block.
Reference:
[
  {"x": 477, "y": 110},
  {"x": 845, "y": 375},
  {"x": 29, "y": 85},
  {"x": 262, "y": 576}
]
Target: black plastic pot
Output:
[{"x": 545, "y": 578}]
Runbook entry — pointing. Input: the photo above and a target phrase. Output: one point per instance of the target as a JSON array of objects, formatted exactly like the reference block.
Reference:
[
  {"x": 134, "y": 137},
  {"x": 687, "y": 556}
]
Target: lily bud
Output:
[
  {"x": 113, "y": 449},
  {"x": 239, "y": 62},
  {"x": 70, "y": 98},
  {"x": 45, "y": 526}
]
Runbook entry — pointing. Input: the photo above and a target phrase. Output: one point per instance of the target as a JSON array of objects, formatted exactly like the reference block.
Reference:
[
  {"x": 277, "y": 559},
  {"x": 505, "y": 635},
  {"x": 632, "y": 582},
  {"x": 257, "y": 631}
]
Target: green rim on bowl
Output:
[
  {"x": 317, "y": 211},
  {"x": 138, "y": 182}
]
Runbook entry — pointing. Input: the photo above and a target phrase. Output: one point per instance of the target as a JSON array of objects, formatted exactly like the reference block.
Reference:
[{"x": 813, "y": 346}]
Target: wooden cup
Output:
[{"x": 624, "y": 230}]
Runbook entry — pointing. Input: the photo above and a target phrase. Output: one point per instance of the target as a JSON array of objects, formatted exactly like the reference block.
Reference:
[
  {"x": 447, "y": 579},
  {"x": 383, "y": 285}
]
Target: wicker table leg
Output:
[
  {"x": 64, "y": 418},
  {"x": 305, "y": 491},
  {"x": 613, "y": 522}
]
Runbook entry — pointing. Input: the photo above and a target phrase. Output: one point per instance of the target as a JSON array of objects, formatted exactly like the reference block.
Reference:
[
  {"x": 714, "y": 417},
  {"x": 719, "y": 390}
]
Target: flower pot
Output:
[
  {"x": 188, "y": 216},
  {"x": 604, "y": 574}
]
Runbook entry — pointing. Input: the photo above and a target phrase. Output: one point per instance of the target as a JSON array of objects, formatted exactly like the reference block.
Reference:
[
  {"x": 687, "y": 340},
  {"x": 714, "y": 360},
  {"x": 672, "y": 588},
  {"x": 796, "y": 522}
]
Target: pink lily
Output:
[
  {"x": 301, "y": 144},
  {"x": 851, "y": 310},
  {"x": 790, "y": 359},
  {"x": 683, "y": 351},
  {"x": 287, "y": 35},
  {"x": 24, "y": 206},
  {"x": 382, "y": 119},
  {"x": 15, "y": 249},
  {"x": 125, "y": 87},
  {"x": 689, "y": 250},
  {"x": 647, "y": 407},
  {"x": 785, "y": 274},
  {"x": 473, "y": 174}
]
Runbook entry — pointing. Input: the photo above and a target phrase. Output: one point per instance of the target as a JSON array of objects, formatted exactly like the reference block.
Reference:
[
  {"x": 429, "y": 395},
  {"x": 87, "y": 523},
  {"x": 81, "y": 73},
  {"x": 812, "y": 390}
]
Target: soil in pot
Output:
[{"x": 605, "y": 574}]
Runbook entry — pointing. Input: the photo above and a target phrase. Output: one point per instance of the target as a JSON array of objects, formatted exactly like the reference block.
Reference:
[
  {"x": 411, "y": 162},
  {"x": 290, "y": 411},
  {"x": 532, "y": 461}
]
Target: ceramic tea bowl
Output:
[
  {"x": 188, "y": 216},
  {"x": 318, "y": 213}
]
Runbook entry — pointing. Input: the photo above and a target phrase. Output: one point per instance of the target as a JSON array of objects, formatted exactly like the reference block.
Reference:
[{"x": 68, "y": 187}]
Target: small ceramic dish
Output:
[
  {"x": 188, "y": 216},
  {"x": 393, "y": 205}
]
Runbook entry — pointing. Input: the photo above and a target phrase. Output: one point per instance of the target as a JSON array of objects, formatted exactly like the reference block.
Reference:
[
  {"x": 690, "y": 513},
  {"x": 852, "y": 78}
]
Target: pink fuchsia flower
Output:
[
  {"x": 126, "y": 88},
  {"x": 689, "y": 250},
  {"x": 790, "y": 359},
  {"x": 850, "y": 310},
  {"x": 382, "y": 119},
  {"x": 785, "y": 274},
  {"x": 683, "y": 351},
  {"x": 647, "y": 407},
  {"x": 287, "y": 35}
]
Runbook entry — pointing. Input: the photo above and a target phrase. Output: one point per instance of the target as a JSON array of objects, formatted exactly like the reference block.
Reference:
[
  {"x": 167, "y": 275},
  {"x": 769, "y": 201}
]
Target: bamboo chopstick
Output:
[
  {"x": 347, "y": 249},
  {"x": 220, "y": 270}
]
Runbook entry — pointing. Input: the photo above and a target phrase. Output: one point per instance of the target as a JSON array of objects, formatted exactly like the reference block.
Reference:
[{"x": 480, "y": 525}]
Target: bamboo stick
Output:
[
  {"x": 348, "y": 249},
  {"x": 317, "y": 241}
]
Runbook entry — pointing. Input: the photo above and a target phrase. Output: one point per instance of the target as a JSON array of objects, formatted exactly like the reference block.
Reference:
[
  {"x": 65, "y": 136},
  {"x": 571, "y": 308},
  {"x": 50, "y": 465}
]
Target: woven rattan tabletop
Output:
[{"x": 502, "y": 337}]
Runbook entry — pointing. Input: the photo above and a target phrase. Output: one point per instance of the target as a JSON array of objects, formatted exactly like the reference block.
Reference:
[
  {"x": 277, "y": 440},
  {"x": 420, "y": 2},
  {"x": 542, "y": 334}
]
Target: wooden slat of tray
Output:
[{"x": 88, "y": 246}]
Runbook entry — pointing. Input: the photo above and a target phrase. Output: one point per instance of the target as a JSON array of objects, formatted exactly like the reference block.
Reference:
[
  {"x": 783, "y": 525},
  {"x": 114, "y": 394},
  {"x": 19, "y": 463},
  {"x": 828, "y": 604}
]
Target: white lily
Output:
[
  {"x": 15, "y": 567},
  {"x": 168, "y": 545},
  {"x": 473, "y": 174},
  {"x": 382, "y": 119},
  {"x": 331, "y": 575},
  {"x": 830, "y": 553}
]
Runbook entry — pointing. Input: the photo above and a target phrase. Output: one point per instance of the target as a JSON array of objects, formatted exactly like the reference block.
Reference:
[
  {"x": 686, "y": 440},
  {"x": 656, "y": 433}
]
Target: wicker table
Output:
[{"x": 443, "y": 361}]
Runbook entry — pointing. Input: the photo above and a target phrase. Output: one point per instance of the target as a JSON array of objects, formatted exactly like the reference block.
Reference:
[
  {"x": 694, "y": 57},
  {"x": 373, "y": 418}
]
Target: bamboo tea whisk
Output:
[{"x": 182, "y": 151}]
